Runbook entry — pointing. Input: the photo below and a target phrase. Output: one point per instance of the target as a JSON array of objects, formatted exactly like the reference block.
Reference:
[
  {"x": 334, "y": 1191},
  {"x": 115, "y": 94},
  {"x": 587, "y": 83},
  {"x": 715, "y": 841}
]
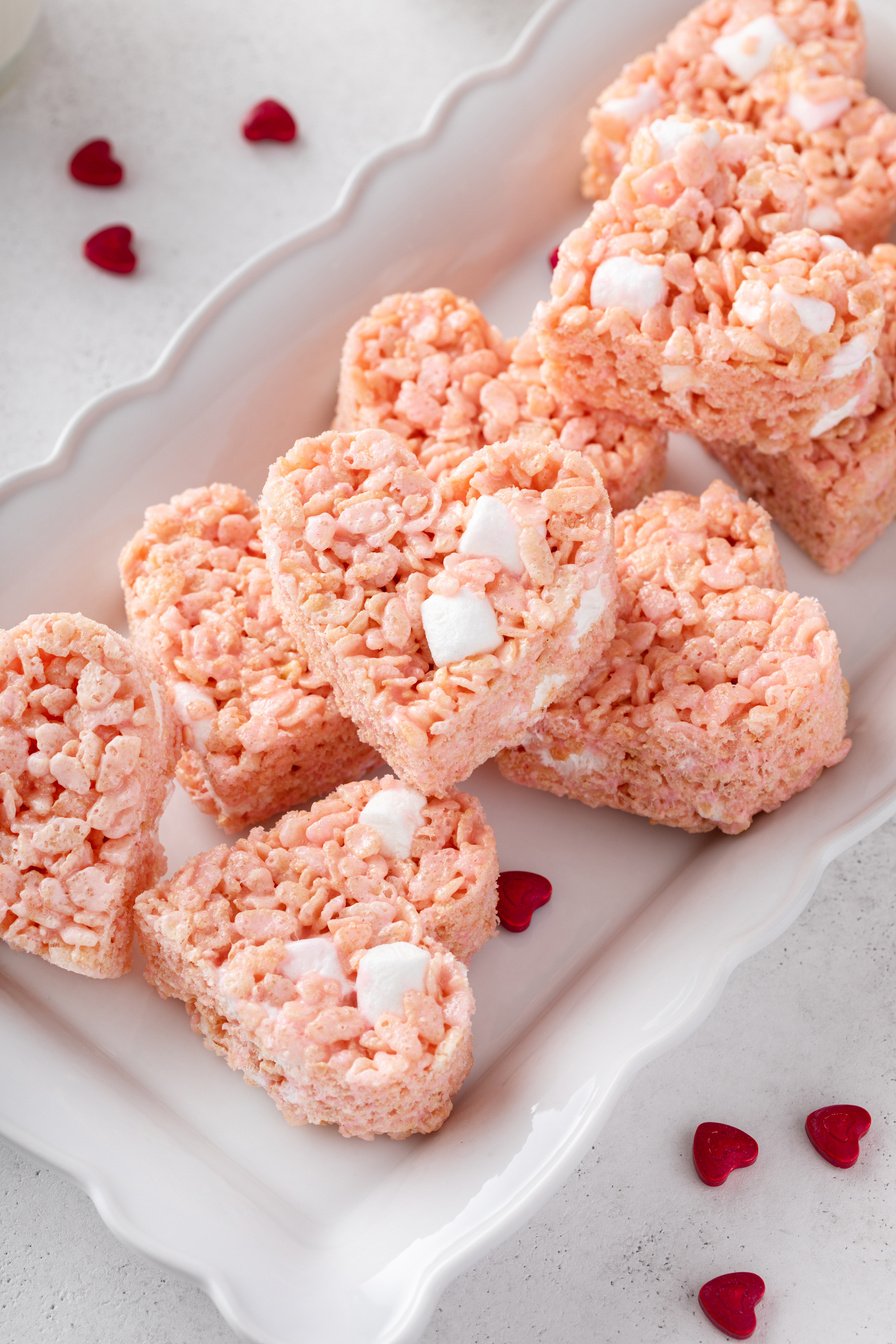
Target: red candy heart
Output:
[
  {"x": 720, "y": 1149},
  {"x": 554, "y": 258},
  {"x": 111, "y": 250},
  {"x": 730, "y": 1300},
  {"x": 519, "y": 896},
  {"x": 834, "y": 1131},
  {"x": 270, "y": 120},
  {"x": 93, "y": 164}
]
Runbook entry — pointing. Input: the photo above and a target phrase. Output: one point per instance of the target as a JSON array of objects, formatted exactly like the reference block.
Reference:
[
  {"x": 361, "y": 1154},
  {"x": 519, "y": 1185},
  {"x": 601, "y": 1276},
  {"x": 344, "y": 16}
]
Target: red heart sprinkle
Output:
[
  {"x": 111, "y": 250},
  {"x": 834, "y": 1131},
  {"x": 730, "y": 1300},
  {"x": 720, "y": 1149},
  {"x": 270, "y": 120},
  {"x": 93, "y": 164},
  {"x": 519, "y": 896},
  {"x": 554, "y": 258}
]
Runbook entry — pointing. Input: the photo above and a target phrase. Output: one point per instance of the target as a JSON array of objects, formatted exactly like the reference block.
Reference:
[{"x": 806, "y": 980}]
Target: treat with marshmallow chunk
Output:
[
  {"x": 259, "y": 732},
  {"x": 787, "y": 69},
  {"x": 721, "y": 695},
  {"x": 448, "y": 612},
  {"x": 86, "y": 763},
  {"x": 428, "y": 367},
  {"x": 322, "y": 957},
  {"x": 834, "y": 492},
  {"x": 696, "y": 296}
]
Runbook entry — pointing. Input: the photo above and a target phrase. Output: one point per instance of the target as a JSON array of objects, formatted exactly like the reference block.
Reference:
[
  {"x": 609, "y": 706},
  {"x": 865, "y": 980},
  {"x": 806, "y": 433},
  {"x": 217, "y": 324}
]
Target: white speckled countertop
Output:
[{"x": 809, "y": 1021}]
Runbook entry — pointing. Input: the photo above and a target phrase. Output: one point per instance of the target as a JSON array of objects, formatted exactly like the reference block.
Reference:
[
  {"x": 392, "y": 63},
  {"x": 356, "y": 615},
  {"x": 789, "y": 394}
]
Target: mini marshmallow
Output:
[
  {"x": 493, "y": 531},
  {"x": 816, "y": 315},
  {"x": 824, "y": 218},
  {"x": 396, "y": 815},
  {"x": 632, "y": 109},
  {"x": 625, "y": 282},
  {"x": 384, "y": 976},
  {"x": 816, "y": 116},
  {"x": 749, "y": 51},
  {"x": 315, "y": 954},
  {"x": 459, "y": 626},
  {"x": 833, "y": 418},
  {"x": 831, "y": 243},
  {"x": 849, "y": 358},
  {"x": 546, "y": 690},
  {"x": 592, "y": 605},
  {"x": 189, "y": 700},
  {"x": 670, "y": 132}
]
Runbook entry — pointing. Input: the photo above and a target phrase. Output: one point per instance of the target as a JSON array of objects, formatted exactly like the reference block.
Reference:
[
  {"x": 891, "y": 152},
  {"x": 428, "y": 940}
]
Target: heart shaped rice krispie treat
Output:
[
  {"x": 835, "y": 493},
  {"x": 260, "y": 733},
  {"x": 445, "y": 613},
  {"x": 315, "y": 955},
  {"x": 721, "y": 695},
  {"x": 86, "y": 762},
  {"x": 756, "y": 63},
  {"x": 429, "y": 367},
  {"x": 694, "y": 296}
]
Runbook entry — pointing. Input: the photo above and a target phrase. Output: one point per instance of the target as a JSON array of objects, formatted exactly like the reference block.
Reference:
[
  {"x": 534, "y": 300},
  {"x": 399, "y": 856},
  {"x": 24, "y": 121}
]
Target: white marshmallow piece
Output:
[
  {"x": 190, "y": 700},
  {"x": 633, "y": 108},
  {"x": 315, "y": 954},
  {"x": 670, "y": 132},
  {"x": 592, "y": 605},
  {"x": 824, "y": 218},
  {"x": 849, "y": 358},
  {"x": 746, "y": 53},
  {"x": 396, "y": 815},
  {"x": 384, "y": 976},
  {"x": 816, "y": 116},
  {"x": 834, "y": 418},
  {"x": 493, "y": 532},
  {"x": 816, "y": 315},
  {"x": 459, "y": 627},
  {"x": 546, "y": 689},
  {"x": 625, "y": 282}
]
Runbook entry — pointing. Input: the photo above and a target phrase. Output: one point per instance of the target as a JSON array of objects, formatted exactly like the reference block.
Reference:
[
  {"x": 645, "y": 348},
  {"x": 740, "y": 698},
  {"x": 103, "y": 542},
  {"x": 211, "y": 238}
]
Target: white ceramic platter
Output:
[{"x": 298, "y": 1234}]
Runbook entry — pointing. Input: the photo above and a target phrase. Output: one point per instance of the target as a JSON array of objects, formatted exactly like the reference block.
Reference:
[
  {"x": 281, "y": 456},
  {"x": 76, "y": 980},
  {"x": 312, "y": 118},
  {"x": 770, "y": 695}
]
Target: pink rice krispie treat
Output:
[
  {"x": 445, "y": 613},
  {"x": 834, "y": 493},
  {"x": 86, "y": 761},
  {"x": 721, "y": 695},
  {"x": 259, "y": 732},
  {"x": 694, "y": 296},
  {"x": 429, "y": 367},
  {"x": 733, "y": 59},
  {"x": 315, "y": 956}
]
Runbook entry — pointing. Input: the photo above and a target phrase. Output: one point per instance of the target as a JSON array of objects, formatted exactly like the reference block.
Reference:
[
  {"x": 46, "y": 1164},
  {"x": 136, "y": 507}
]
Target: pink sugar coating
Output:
[
  {"x": 721, "y": 695},
  {"x": 849, "y": 163},
  {"x": 721, "y": 354},
  {"x": 263, "y": 733},
  {"x": 215, "y": 934},
  {"x": 86, "y": 758},
  {"x": 429, "y": 367},
  {"x": 358, "y": 536},
  {"x": 835, "y": 494}
]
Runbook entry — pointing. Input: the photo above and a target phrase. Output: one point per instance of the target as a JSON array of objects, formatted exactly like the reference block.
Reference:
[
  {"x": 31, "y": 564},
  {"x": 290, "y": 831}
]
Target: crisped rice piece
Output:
[
  {"x": 721, "y": 695},
  {"x": 786, "y": 47},
  {"x": 86, "y": 763},
  {"x": 834, "y": 494},
  {"x": 259, "y": 732},
  {"x": 445, "y": 613},
  {"x": 694, "y": 296},
  {"x": 428, "y": 367},
  {"x": 268, "y": 943}
]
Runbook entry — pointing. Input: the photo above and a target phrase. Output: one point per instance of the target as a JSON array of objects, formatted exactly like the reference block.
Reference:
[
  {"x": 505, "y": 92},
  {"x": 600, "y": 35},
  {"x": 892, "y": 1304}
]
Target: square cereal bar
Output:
[
  {"x": 260, "y": 733},
  {"x": 315, "y": 955}
]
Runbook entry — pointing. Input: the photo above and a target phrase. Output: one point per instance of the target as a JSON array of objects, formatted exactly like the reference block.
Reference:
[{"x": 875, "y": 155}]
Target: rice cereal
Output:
[
  {"x": 259, "y": 732},
  {"x": 429, "y": 367},
  {"x": 86, "y": 760},
  {"x": 445, "y": 613},
  {"x": 721, "y": 695},
  {"x": 694, "y": 295},
  {"x": 315, "y": 955},
  {"x": 835, "y": 493}
]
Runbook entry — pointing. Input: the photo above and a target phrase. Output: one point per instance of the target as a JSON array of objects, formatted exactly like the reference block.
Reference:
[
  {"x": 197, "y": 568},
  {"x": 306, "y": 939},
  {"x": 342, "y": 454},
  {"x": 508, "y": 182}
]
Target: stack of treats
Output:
[{"x": 477, "y": 561}]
